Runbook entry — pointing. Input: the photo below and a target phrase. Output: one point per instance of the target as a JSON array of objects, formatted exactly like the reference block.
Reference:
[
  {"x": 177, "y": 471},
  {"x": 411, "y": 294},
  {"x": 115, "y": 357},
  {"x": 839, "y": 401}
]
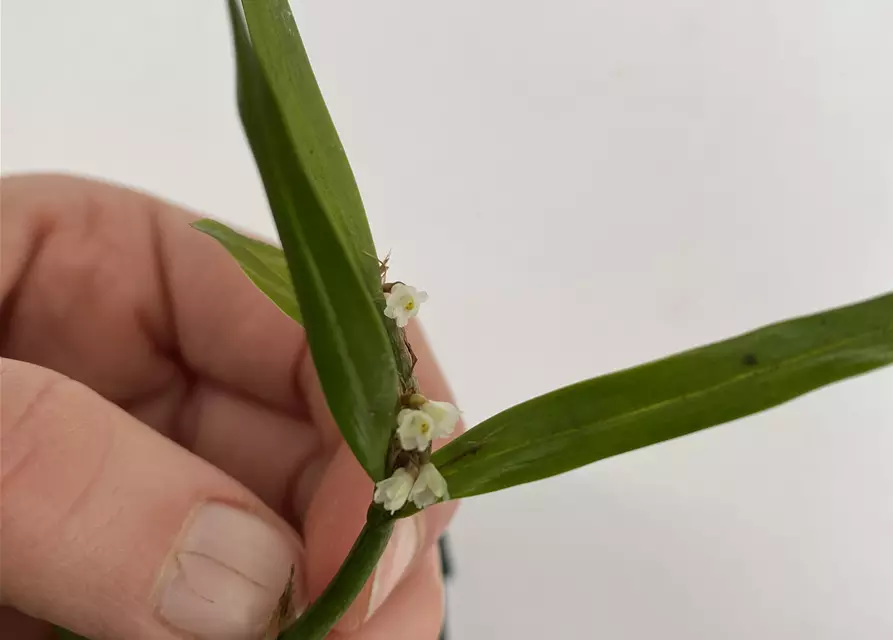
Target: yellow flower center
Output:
[
  {"x": 409, "y": 306},
  {"x": 425, "y": 428}
]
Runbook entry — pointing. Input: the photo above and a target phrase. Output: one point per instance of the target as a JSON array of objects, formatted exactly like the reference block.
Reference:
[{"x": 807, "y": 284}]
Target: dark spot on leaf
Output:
[
  {"x": 749, "y": 360},
  {"x": 472, "y": 451}
]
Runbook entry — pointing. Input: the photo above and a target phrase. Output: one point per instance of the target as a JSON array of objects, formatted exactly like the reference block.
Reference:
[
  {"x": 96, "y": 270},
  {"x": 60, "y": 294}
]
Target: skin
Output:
[{"x": 142, "y": 374}]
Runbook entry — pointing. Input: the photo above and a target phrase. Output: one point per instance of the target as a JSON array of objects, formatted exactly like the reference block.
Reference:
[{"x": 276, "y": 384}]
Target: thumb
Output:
[{"x": 113, "y": 531}]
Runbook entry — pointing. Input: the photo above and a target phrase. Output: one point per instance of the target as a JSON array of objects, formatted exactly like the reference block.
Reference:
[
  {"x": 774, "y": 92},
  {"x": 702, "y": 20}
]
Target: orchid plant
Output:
[{"x": 328, "y": 278}]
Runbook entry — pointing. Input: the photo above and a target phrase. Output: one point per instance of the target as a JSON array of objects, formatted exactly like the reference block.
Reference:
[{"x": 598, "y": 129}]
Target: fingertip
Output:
[
  {"x": 334, "y": 518},
  {"x": 415, "y": 610}
]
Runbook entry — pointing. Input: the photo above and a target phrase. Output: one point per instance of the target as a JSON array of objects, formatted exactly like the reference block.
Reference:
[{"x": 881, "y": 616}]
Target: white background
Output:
[{"x": 581, "y": 185}]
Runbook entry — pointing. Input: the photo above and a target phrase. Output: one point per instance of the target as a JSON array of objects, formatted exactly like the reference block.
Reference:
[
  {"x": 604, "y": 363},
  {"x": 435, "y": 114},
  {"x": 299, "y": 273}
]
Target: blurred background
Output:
[{"x": 581, "y": 186}]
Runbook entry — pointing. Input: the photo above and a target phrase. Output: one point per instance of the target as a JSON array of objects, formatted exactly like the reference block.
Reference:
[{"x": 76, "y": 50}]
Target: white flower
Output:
[
  {"x": 403, "y": 303},
  {"x": 445, "y": 417},
  {"x": 394, "y": 491},
  {"x": 415, "y": 429},
  {"x": 429, "y": 487}
]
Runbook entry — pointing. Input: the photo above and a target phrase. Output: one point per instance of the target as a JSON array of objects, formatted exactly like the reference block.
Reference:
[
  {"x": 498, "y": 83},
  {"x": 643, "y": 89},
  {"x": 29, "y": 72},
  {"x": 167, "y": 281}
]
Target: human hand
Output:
[{"x": 167, "y": 453}]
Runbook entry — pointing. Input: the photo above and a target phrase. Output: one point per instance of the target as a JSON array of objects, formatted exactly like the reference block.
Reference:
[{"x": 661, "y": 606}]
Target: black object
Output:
[{"x": 446, "y": 568}]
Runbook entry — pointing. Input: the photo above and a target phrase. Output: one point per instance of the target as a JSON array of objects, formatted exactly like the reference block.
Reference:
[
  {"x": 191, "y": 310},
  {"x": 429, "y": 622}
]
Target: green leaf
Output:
[
  {"x": 693, "y": 390},
  {"x": 347, "y": 338},
  {"x": 281, "y": 54},
  {"x": 264, "y": 264},
  {"x": 65, "y": 634}
]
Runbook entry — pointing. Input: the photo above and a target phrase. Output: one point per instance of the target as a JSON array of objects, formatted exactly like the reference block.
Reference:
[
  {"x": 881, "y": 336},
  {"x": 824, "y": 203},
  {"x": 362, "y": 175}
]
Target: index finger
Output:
[{"x": 113, "y": 288}]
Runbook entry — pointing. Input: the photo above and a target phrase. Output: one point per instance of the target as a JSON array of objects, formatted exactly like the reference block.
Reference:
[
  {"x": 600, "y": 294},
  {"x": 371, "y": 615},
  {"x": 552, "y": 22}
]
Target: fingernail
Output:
[
  {"x": 226, "y": 576},
  {"x": 394, "y": 562}
]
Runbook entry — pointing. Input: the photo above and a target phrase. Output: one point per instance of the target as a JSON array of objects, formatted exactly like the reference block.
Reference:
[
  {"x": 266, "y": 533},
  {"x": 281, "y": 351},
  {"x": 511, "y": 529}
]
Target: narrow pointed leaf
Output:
[
  {"x": 263, "y": 263},
  {"x": 347, "y": 339},
  {"x": 281, "y": 54},
  {"x": 693, "y": 390}
]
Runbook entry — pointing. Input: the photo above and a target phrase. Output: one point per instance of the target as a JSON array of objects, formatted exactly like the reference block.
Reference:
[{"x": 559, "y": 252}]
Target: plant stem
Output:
[{"x": 318, "y": 620}]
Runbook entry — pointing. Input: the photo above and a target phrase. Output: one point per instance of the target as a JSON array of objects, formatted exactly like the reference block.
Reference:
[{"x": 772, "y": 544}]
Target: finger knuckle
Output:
[{"x": 50, "y": 456}]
